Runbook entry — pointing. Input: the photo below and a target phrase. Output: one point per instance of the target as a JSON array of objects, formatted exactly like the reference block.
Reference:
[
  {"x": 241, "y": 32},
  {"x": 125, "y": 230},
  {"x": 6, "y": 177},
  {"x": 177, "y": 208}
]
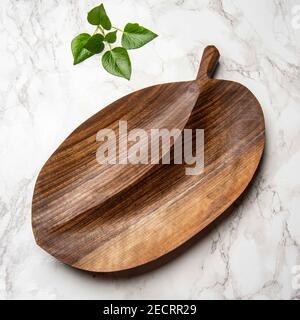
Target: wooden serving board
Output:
[{"x": 108, "y": 218}]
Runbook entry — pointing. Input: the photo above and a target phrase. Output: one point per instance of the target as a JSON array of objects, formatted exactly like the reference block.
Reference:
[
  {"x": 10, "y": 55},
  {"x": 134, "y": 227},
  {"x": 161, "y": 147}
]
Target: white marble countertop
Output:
[{"x": 43, "y": 97}]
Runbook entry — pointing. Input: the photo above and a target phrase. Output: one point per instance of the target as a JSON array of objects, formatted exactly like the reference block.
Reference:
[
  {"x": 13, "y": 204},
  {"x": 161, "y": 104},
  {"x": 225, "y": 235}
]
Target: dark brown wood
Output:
[{"x": 110, "y": 218}]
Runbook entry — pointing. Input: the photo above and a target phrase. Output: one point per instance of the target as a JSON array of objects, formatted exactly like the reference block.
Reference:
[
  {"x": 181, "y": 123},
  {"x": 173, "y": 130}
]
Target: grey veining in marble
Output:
[{"x": 43, "y": 97}]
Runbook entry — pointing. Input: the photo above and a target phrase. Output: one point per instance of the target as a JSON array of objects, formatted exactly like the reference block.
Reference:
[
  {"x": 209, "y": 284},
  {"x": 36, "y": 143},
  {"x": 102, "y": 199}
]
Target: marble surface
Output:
[{"x": 43, "y": 97}]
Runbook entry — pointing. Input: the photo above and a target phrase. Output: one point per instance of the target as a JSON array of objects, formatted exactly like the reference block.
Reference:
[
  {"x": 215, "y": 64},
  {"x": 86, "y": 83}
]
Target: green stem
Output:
[
  {"x": 102, "y": 31},
  {"x": 118, "y": 29},
  {"x": 96, "y": 30}
]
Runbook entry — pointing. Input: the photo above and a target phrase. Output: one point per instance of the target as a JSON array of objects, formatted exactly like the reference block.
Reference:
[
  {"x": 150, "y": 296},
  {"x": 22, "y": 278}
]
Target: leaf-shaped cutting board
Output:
[{"x": 113, "y": 217}]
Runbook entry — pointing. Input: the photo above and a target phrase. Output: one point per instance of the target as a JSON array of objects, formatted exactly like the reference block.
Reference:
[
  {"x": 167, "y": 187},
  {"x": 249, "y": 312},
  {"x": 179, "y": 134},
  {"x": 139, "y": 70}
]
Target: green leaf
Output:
[
  {"x": 111, "y": 37},
  {"x": 80, "y": 53},
  {"x": 97, "y": 16},
  {"x": 95, "y": 43},
  {"x": 105, "y": 23},
  {"x": 136, "y": 36},
  {"x": 117, "y": 62}
]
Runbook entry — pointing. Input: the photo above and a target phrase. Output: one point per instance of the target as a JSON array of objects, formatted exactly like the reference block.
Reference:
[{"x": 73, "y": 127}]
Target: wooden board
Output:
[{"x": 108, "y": 218}]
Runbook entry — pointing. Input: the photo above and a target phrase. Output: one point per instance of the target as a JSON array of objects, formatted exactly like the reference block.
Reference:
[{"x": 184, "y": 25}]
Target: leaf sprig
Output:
[{"x": 115, "y": 60}]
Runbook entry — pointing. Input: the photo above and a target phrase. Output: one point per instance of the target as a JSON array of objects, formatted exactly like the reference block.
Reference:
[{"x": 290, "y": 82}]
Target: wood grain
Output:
[{"x": 110, "y": 218}]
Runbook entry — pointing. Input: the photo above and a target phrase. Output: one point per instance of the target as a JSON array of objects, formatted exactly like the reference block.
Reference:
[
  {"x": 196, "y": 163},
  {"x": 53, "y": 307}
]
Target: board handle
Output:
[{"x": 209, "y": 62}]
